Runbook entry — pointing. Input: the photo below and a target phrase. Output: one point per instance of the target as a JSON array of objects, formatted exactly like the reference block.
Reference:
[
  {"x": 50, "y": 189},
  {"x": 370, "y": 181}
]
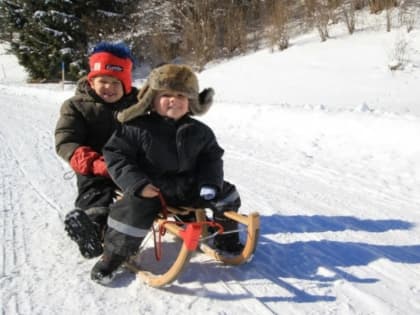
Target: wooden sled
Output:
[{"x": 191, "y": 237}]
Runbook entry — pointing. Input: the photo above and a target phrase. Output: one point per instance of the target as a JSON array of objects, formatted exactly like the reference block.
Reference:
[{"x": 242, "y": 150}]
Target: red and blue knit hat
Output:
[{"x": 114, "y": 60}]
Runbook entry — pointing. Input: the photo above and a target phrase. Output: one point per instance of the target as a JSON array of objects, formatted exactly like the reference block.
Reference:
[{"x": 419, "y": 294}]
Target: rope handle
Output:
[
  {"x": 190, "y": 235},
  {"x": 164, "y": 209}
]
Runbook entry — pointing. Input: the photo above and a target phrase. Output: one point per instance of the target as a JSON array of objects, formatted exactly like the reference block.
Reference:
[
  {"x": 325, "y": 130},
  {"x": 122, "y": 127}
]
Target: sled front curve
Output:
[
  {"x": 160, "y": 280},
  {"x": 168, "y": 277}
]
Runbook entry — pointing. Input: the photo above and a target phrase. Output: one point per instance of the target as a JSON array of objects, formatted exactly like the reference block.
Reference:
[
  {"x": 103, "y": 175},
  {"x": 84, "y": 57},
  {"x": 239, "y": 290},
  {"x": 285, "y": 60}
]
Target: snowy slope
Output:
[{"x": 322, "y": 143}]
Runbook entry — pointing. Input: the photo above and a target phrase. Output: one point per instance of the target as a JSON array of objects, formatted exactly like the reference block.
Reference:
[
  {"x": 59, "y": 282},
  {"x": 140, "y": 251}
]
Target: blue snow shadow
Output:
[
  {"x": 322, "y": 223},
  {"x": 303, "y": 260},
  {"x": 319, "y": 261}
]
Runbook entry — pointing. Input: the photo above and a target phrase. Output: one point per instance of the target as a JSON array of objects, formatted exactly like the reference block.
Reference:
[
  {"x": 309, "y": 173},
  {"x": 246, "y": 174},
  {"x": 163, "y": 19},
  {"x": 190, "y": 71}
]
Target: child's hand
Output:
[
  {"x": 99, "y": 167},
  {"x": 82, "y": 159},
  {"x": 207, "y": 192},
  {"x": 149, "y": 191}
]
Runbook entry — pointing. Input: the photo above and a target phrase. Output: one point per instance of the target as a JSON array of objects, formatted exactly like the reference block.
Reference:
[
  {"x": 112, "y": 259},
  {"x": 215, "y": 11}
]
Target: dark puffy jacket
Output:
[
  {"x": 176, "y": 156},
  {"x": 85, "y": 119}
]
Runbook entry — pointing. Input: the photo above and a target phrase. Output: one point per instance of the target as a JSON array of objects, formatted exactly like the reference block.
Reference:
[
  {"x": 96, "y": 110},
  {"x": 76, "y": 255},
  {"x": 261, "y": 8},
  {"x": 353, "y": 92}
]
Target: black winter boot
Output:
[
  {"x": 84, "y": 232},
  {"x": 229, "y": 241},
  {"x": 99, "y": 216},
  {"x": 103, "y": 272}
]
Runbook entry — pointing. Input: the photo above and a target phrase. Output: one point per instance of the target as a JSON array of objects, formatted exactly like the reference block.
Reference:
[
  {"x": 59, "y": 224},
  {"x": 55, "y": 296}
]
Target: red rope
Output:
[
  {"x": 162, "y": 230},
  {"x": 164, "y": 206},
  {"x": 158, "y": 243}
]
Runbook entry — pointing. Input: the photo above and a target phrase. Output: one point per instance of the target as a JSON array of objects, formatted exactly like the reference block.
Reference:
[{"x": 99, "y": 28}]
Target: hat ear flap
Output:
[
  {"x": 205, "y": 100},
  {"x": 145, "y": 99}
]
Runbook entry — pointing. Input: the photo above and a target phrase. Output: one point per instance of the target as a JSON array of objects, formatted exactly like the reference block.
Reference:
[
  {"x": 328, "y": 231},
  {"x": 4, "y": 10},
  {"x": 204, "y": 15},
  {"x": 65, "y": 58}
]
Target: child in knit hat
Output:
[
  {"x": 162, "y": 150},
  {"x": 86, "y": 122}
]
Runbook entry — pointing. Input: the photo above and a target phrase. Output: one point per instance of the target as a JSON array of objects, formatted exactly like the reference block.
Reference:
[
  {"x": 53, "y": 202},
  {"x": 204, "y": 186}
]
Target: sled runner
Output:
[{"x": 175, "y": 241}]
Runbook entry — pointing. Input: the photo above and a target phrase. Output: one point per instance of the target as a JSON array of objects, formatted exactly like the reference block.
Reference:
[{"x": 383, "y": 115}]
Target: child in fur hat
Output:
[
  {"x": 162, "y": 149},
  {"x": 86, "y": 122}
]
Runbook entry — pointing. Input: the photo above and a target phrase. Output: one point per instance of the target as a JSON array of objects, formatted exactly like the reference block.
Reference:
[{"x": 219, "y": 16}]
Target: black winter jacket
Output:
[
  {"x": 85, "y": 119},
  {"x": 178, "y": 157}
]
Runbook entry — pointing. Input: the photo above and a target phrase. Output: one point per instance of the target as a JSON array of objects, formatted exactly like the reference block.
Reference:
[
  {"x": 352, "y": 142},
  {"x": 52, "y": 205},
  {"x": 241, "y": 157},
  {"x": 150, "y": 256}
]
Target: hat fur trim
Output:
[{"x": 169, "y": 77}]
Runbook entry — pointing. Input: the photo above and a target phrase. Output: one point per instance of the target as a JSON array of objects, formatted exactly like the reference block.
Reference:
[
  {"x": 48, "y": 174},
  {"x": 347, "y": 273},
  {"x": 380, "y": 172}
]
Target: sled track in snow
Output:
[
  {"x": 29, "y": 180},
  {"x": 32, "y": 138},
  {"x": 25, "y": 225},
  {"x": 249, "y": 300},
  {"x": 14, "y": 297},
  {"x": 227, "y": 284}
]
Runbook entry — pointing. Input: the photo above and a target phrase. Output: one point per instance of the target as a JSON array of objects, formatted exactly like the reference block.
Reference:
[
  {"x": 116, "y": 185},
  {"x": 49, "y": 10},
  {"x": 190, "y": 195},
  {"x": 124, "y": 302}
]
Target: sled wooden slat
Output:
[
  {"x": 171, "y": 228},
  {"x": 180, "y": 210}
]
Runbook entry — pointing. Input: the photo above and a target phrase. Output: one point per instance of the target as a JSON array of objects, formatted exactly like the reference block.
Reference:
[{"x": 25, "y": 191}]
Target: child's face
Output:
[
  {"x": 171, "y": 104},
  {"x": 108, "y": 88}
]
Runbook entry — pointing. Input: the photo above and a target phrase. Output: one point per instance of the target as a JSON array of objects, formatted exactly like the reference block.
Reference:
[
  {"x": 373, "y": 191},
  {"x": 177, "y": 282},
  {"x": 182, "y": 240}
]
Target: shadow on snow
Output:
[
  {"x": 321, "y": 223},
  {"x": 316, "y": 261}
]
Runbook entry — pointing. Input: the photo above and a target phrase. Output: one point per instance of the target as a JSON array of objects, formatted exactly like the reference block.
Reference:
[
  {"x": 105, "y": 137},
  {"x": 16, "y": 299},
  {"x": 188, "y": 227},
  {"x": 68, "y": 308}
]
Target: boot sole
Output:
[{"x": 82, "y": 230}]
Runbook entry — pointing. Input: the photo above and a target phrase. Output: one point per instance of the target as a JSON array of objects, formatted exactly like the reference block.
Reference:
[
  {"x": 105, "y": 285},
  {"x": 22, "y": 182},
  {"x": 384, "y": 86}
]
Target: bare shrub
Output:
[
  {"x": 407, "y": 17},
  {"x": 231, "y": 30},
  {"x": 399, "y": 53},
  {"x": 199, "y": 39},
  {"x": 358, "y": 4},
  {"x": 321, "y": 22},
  {"x": 389, "y": 6},
  {"x": 377, "y": 6},
  {"x": 388, "y": 17},
  {"x": 278, "y": 26},
  {"x": 317, "y": 12},
  {"x": 350, "y": 16},
  {"x": 332, "y": 6},
  {"x": 163, "y": 48}
]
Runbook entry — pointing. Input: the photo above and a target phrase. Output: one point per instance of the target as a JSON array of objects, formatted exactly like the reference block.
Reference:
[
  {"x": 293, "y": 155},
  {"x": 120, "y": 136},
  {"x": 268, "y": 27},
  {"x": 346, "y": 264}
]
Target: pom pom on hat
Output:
[{"x": 114, "y": 60}]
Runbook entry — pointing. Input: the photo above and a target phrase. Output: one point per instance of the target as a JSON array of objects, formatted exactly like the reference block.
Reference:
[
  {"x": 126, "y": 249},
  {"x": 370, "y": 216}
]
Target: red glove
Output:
[
  {"x": 99, "y": 167},
  {"x": 82, "y": 160}
]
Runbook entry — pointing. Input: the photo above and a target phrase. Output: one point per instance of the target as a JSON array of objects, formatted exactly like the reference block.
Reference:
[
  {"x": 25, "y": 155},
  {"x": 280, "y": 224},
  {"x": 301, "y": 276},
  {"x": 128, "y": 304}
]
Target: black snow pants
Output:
[{"x": 95, "y": 194}]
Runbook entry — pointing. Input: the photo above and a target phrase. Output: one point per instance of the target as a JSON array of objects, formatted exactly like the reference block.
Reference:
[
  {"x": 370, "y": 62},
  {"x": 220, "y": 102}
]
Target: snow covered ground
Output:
[{"x": 321, "y": 139}]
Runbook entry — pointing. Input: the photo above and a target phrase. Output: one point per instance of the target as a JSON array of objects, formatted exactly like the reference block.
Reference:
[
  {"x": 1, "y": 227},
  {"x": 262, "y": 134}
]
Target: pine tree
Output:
[
  {"x": 45, "y": 35},
  {"x": 48, "y": 34}
]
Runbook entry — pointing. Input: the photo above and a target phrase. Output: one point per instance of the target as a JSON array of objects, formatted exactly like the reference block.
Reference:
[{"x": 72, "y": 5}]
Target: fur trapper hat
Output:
[{"x": 179, "y": 78}]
